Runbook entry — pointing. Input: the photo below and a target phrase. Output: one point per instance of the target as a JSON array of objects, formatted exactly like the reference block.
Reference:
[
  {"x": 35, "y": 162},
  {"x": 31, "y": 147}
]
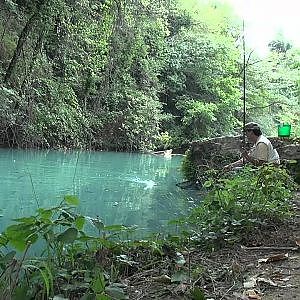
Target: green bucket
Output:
[{"x": 284, "y": 130}]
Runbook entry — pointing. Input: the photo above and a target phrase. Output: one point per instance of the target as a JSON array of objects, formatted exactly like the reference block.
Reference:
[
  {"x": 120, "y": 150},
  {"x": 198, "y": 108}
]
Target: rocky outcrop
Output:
[{"x": 219, "y": 151}]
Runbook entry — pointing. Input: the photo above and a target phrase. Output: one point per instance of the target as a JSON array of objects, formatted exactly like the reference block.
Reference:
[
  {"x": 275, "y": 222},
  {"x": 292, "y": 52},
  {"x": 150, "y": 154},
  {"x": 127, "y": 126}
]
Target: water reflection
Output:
[{"x": 120, "y": 188}]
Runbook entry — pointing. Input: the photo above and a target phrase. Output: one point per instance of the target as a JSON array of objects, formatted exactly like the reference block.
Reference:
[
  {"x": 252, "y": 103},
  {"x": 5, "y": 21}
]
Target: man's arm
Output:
[
  {"x": 235, "y": 164},
  {"x": 258, "y": 156}
]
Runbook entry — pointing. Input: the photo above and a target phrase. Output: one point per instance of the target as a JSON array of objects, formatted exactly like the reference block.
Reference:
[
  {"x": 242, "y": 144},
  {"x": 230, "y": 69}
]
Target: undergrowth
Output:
[{"x": 238, "y": 203}]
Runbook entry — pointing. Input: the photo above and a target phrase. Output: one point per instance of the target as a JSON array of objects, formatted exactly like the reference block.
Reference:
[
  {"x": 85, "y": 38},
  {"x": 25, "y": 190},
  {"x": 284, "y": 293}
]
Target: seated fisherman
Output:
[{"x": 262, "y": 151}]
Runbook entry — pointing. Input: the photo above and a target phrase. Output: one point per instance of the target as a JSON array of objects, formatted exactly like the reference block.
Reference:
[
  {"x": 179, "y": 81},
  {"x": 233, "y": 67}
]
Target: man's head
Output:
[{"x": 252, "y": 131}]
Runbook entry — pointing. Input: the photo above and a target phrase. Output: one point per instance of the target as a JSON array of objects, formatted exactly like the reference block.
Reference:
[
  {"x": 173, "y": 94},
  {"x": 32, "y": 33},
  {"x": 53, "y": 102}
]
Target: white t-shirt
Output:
[{"x": 263, "y": 150}]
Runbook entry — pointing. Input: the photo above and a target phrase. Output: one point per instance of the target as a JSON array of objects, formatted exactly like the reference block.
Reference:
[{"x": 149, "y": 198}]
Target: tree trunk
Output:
[{"x": 22, "y": 39}]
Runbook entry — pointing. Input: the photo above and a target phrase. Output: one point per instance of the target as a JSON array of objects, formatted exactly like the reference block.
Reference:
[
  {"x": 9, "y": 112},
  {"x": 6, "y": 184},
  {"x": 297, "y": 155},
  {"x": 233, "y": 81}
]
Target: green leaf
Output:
[
  {"x": 79, "y": 222},
  {"x": 19, "y": 231},
  {"x": 45, "y": 213},
  {"x": 47, "y": 280},
  {"x": 98, "y": 284},
  {"x": 68, "y": 236},
  {"x": 71, "y": 200},
  {"x": 19, "y": 244},
  {"x": 198, "y": 294}
]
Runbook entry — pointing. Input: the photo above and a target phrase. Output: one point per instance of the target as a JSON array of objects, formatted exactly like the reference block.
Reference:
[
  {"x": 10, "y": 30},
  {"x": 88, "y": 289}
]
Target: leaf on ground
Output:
[
  {"x": 252, "y": 294},
  {"x": 274, "y": 258},
  {"x": 162, "y": 279},
  {"x": 297, "y": 242}
]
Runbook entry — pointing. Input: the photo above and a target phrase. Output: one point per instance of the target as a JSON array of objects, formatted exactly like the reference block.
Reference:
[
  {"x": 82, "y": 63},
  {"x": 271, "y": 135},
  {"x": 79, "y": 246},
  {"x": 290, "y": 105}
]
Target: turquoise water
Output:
[{"x": 119, "y": 188}]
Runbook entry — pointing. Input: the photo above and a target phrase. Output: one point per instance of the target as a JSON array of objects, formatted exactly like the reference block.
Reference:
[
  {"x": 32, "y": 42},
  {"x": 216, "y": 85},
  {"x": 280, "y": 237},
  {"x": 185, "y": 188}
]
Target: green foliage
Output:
[
  {"x": 188, "y": 168},
  {"x": 66, "y": 248},
  {"x": 139, "y": 75},
  {"x": 57, "y": 119},
  {"x": 240, "y": 204},
  {"x": 201, "y": 82},
  {"x": 13, "y": 115},
  {"x": 273, "y": 90}
]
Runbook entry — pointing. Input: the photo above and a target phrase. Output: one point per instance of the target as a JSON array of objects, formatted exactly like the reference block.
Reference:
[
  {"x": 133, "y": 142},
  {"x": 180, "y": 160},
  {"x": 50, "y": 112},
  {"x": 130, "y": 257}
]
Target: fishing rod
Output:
[
  {"x": 244, "y": 85},
  {"x": 243, "y": 146}
]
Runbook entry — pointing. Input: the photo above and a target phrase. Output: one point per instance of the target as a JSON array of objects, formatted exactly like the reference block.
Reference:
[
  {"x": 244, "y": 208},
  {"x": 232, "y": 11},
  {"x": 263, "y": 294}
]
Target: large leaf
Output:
[
  {"x": 45, "y": 214},
  {"x": 19, "y": 244},
  {"x": 68, "y": 236},
  {"x": 98, "y": 284}
]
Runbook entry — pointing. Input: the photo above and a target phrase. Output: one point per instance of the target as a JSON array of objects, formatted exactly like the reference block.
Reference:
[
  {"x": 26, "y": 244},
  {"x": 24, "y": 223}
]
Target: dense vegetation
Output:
[{"x": 134, "y": 74}]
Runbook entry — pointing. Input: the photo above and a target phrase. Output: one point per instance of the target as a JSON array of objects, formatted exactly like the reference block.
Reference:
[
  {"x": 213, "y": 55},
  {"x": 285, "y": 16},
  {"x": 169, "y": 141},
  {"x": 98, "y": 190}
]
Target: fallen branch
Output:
[{"x": 270, "y": 248}]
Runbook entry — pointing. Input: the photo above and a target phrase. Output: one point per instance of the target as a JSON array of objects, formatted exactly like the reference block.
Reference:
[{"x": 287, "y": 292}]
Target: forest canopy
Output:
[{"x": 133, "y": 75}]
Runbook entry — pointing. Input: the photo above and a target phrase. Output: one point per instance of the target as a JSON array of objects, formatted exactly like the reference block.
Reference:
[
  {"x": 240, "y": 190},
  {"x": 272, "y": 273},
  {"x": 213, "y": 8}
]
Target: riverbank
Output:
[{"x": 264, "y": 265}]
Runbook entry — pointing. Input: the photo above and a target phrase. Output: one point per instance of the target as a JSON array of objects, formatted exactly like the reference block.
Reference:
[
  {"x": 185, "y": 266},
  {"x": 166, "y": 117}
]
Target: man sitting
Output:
[{"x": 262, "y": 151}]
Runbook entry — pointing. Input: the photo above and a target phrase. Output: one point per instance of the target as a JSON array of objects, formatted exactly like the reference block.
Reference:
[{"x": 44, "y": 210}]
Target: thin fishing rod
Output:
[{"x": 244, "y": 84}]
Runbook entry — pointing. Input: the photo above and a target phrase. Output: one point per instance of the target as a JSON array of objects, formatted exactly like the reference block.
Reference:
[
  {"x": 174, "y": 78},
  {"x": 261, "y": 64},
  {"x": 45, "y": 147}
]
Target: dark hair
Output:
[
  {"x": 256, "y": 131},
  {"x": 254, "y": 127}
]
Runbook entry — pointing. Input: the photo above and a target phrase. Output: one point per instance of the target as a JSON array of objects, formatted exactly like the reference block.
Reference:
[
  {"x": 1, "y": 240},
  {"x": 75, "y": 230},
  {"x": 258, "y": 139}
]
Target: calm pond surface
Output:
[{"x": 120, "y": 188}]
